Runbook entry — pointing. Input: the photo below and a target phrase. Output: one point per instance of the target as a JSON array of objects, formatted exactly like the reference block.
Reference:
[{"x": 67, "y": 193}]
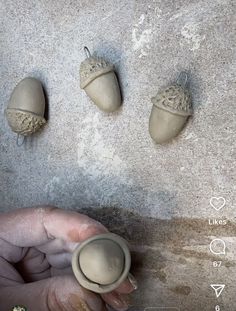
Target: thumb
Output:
[{"x": 52, "y": 294}]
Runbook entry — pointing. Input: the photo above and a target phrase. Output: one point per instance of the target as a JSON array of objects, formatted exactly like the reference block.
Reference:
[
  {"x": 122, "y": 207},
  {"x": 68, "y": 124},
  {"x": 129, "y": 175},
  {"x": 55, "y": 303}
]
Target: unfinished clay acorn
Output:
[
  {"x": 98, "y": 79},
  {"x": 102, "y": 262},
  {"x": 170, "y": 111},
  {"x": 25, "y": 110}
]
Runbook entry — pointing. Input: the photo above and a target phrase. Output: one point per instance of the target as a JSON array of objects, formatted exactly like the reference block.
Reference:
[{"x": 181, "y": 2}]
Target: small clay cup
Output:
[{"x": 94, "y": 268}]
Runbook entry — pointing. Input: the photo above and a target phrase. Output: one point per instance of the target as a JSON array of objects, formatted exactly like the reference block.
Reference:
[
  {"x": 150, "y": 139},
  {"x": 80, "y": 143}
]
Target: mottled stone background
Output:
[{"x": 156, "y": 196}]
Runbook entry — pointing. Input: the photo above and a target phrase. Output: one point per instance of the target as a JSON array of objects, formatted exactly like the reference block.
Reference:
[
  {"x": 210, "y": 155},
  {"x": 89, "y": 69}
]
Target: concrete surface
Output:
[{"x": 155, "y": 196}]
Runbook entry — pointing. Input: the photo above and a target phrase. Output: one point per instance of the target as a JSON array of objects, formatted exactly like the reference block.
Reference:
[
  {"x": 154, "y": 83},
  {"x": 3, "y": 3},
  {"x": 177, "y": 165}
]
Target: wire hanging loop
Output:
[
  {"x": 20, "y": 140},
  {"x": 182, "y": 79},
  {"x": 87, "y": 52}
]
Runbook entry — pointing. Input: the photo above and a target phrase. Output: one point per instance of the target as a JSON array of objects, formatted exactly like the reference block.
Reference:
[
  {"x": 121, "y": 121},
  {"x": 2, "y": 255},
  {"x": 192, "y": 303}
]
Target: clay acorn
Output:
[
  {"x": 98, "y": 79},
  {"x": 102, "y": 262},
  {"x": 25, "y": 110},
  {"x": 170, "y": 111}
]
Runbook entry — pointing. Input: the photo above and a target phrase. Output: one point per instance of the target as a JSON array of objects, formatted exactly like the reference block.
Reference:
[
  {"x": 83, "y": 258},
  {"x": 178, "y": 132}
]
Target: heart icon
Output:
[{"x": 217, "y": 203}]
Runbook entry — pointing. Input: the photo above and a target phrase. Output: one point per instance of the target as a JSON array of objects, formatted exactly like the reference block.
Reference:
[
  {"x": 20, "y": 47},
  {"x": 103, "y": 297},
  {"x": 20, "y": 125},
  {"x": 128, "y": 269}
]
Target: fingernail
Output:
[
  {"x": 133, "y": 281},
  {"x": 120, "y": 303}
]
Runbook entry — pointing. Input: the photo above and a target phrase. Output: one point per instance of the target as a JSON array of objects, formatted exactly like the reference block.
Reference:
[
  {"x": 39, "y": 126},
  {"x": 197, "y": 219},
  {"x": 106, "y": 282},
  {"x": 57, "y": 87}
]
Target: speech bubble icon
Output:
[{"x": 218, "y": 247}]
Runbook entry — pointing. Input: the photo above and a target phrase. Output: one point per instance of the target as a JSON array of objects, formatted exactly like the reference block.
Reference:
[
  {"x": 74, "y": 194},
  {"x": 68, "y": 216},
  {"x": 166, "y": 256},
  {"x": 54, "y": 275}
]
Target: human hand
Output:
[{"x": 36, "y": 246}]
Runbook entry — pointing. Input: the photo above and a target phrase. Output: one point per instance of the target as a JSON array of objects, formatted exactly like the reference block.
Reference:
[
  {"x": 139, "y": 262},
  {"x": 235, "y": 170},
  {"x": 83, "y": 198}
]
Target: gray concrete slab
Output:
[{"x": 156, "y": 196}]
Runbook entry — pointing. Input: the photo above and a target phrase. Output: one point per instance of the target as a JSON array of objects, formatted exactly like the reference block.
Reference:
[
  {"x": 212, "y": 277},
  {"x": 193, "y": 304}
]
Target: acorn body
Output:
[
  {"x": 170, "y": 111},
  {"x": 98, "y": 79},
  {"x": 25, "y": 110},
  {"x": 101, "y": 263}
]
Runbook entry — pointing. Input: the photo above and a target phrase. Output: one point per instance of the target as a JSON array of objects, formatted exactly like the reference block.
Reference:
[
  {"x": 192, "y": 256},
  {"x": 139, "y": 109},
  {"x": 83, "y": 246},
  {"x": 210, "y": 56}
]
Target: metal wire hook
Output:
[
  {"x": 19, "y": 144},
  {"x": 87, "y": 52}
]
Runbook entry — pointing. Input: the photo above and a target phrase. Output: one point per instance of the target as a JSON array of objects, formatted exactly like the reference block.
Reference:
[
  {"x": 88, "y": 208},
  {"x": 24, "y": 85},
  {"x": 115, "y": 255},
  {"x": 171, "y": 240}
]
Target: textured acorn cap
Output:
[
  {"x": 25, "y": 110},
  {"x": 23, "y": 122},
  {"x": 174, "y": 99},
  {"x": 91, "y": 68},
  {"x": 102, "y": 262}
]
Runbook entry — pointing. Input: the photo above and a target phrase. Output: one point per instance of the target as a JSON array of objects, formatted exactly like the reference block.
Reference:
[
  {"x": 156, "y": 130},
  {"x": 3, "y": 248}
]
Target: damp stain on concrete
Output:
[
  {"x": 174, "y": 234},
  {"x": 170, "y": 254},
  {"x": 181, "y": 290}
]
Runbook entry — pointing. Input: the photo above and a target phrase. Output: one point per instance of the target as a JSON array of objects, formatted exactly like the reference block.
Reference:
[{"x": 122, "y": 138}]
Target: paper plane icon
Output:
[{"x": 218, "y": 288}]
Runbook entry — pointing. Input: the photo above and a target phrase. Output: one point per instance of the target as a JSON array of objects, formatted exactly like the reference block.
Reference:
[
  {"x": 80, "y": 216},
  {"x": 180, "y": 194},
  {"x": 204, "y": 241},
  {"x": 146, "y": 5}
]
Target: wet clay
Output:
[
  {"x": 102, "y": 262},
  {"x": 26, "y": 107},
  {"x": 98, "y": 79},
  {"x": 170, "y": 111},
  {"x": 170, "y": 257}
]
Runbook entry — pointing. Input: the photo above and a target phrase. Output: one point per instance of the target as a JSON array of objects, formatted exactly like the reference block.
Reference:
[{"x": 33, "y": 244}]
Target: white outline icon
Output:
[
  {"x": 218, "y": 288},
  {"x": 217, "y": 203},
  {"x": 215, "y": 244}
]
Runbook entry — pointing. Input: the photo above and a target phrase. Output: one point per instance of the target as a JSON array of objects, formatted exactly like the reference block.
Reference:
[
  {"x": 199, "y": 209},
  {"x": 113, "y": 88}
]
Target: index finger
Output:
[{"x": 27, "y": 227}]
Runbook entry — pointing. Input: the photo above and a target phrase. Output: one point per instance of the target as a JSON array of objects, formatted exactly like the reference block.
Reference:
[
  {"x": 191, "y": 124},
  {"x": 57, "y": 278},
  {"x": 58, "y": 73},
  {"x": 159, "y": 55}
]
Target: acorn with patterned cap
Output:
[
  {"x": 98, "y": 79},
  {"x": 170, "y": 111},
  {"x": 26, "y": 107}
]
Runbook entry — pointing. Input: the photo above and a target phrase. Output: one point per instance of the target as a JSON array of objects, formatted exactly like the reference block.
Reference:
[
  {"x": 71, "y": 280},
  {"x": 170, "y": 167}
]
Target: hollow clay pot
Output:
[
  {"x": 25, "y": 110},
  {"x": 102, "y": 262},
  {"x": 98, "y": 79},
  {"x": 170, "y": 111}
]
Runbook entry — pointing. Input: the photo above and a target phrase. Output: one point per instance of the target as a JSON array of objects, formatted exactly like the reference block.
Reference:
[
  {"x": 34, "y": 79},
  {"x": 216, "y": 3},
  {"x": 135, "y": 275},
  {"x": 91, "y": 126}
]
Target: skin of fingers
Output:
[
  {"x": 117, "y": 301},
  {"x": 119, "y": 296},
  {"x": 34, "y": 266},
  {"x": 57, "y": 246},
  {"x": 49, "y": 224},
  {"x": 52, "y": 294},
  {"x": 60, "y": 261},
  {"x": 66, "y": 290},
  {"x": 115, "y": 298},
  {"x": 9, "y": 276},
  {"x": 11, "y": 252},
  {"x": 126, "y": 287},
  {"x": 29, "y": 227},
  {"x": 64, "y": 271}
]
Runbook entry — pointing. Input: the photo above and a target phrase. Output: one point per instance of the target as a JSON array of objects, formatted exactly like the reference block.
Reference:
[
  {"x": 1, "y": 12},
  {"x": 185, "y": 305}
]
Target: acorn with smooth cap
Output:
[
  {"x": 26, "y": 107},
  {"x": 102, "y": 262},
  {"x": 170, "y": 111},
  {"x": 98, "y": 79}
]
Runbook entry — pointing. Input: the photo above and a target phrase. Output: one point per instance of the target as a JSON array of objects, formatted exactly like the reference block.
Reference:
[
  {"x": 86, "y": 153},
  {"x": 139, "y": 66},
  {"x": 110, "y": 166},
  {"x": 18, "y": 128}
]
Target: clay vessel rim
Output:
[
  {"x": 94, "y": 75},
  {"x": 24, "y": 112},
  {"x": 173, "y": 111},
  {"x": 84, "y": 281}
]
